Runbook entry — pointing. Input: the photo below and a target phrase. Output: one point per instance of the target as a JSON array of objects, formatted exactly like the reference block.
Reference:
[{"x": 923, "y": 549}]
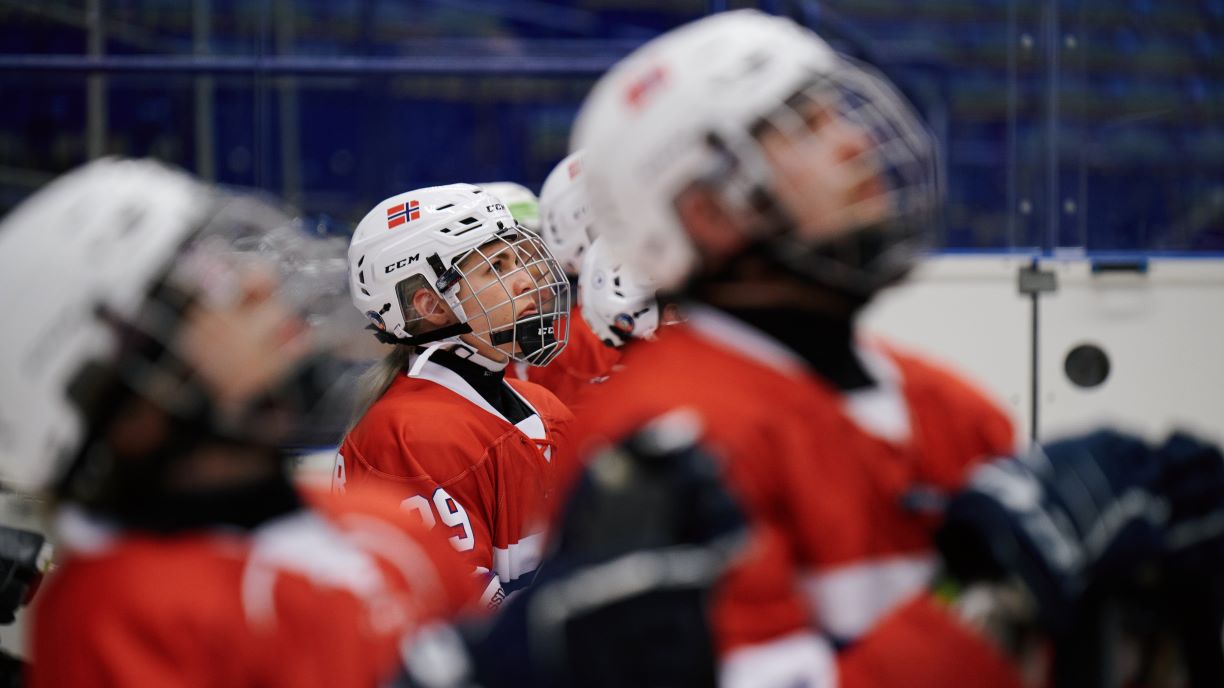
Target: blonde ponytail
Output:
[{"x": 374, "y": 382}]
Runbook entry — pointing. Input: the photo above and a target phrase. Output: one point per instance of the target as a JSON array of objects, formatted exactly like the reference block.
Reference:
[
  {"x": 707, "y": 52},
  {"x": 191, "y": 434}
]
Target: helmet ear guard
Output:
[{"x": 404, "y": 292}]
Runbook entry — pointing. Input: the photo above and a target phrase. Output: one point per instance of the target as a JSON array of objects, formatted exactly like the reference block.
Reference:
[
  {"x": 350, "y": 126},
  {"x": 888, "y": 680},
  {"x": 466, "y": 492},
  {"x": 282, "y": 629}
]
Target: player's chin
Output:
[{"x": 509, "y": 351}]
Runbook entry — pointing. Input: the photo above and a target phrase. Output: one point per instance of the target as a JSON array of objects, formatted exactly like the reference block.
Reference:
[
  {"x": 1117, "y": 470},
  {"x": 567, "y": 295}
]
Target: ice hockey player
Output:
[
  {"x": 460, "y": 290},
  {"x": 565, "y": 226},
  {"x": 783, "y": 186},
  {"x": 156, "y": 353}
]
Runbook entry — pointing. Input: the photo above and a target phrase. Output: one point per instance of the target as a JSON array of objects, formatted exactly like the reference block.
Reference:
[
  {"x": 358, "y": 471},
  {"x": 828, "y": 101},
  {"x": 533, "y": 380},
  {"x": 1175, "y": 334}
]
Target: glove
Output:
[
  {"x": 1192, "y": 480},
  {"x": 1192, "y": 576},
  {"x": 622, "y": 598},
  {"x": 1075, "y": 513}
]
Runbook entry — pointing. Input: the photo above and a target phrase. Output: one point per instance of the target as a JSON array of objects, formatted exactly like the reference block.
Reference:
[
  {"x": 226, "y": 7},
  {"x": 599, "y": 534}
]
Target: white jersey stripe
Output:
[
  {"x": 847, "y": 601},
  {"x": 800, "y": 659},
  {"x": 519, "y": 558}
]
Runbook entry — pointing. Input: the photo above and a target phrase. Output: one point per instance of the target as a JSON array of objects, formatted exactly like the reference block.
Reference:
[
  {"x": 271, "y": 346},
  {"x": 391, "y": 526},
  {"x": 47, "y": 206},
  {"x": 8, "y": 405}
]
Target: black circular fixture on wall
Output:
[{"x": 1087, "y": 365}]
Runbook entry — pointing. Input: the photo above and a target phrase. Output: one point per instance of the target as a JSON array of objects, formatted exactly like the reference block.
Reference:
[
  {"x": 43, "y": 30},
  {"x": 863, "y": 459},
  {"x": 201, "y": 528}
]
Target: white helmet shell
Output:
[
  {"x": 428, "y": 232},
  {"x": 645, "y": 124},
  {"x": 98, "y": 237},
  {"x": 685, "y": 110},
  {"x": 519, "y": 200},
  {"x": 617, "y": 302},
  {"x": 566, "y": 222}
]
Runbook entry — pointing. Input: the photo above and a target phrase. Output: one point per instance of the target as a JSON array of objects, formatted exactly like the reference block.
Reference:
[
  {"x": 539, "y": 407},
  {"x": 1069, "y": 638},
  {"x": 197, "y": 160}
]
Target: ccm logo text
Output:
[{"x": 400, "y": 263}]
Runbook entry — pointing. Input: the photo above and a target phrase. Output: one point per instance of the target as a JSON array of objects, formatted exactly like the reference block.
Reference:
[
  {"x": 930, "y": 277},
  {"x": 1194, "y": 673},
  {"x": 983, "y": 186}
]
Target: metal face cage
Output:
[
  {"x": 866, "y": 152},
  {"x": 514, "y": 295}
]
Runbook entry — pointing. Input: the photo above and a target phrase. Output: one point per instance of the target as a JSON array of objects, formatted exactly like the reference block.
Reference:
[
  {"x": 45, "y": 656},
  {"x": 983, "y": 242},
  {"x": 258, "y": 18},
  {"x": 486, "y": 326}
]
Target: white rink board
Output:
[
  {"x": 1163, "y": 332},
  {"x": 965, "y": 312}
]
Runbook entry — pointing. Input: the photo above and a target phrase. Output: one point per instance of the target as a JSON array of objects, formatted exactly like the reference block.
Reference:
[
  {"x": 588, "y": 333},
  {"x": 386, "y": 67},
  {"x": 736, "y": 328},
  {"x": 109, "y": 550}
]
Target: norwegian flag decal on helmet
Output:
[
  {"x": 642, "y": 87},
  {"x": 404, "y": 212}
]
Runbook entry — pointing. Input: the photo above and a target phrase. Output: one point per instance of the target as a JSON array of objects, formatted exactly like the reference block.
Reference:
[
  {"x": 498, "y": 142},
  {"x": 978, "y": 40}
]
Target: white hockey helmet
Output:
[
  {"x": 617, "y": 302},
  {"x": 97, "y": 268},
  {"x": 419, "y": 239},
  {"x": 519, "y": 200},
  {"x": 686, "y": 110},
  {"x": 565, "y": 213}
]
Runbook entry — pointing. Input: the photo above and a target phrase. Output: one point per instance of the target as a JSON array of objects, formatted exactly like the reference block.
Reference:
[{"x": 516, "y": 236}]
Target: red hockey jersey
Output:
[
  {"x": 838, "y": 488},
  {"x": 323, "y": 596},
  {"x": 585, "y": 361},
  {"x": 462, "y": 466}
]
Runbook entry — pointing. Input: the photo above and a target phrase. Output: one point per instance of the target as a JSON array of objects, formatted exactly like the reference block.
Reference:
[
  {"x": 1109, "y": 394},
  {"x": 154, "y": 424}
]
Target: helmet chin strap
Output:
[{"x": 448, "y": 332}]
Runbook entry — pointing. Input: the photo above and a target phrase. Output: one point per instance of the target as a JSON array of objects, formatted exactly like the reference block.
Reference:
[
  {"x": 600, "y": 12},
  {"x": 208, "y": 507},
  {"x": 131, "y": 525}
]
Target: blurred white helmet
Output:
[
  {"x": 98, "y": 270},
  {"x": 686, "y": 111},
  {"x": 418, "y": 240},
  {"x": 565, "y": 213},
  {"x": 95, "y": 238},
  {"x": 617, "y": 302},
  {"x": 519, "y": 200}
]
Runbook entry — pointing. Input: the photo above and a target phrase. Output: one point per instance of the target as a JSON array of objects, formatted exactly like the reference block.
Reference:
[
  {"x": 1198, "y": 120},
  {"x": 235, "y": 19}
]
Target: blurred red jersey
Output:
[
  {"x": 322, "y": 596},
  {"x": 585, "y": 361},
  {"x": 462, "y": 467},
  {"x": 841, "y": 491}
]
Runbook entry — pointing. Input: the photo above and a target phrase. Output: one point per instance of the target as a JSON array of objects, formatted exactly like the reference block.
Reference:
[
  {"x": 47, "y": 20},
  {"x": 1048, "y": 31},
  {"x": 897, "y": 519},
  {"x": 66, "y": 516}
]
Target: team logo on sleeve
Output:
[{"x": 404, "y": 212}]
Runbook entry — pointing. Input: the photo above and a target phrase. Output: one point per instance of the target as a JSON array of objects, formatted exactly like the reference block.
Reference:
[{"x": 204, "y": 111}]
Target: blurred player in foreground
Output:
[
  {"x": 788, "y": 185},
  {"x": 163, "y": 341},
  {"x": 448, "y": 277},
  {"x": 782, "y": 186}
]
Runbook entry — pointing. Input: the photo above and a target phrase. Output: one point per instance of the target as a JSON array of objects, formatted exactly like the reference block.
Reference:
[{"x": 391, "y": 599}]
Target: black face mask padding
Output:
[{"x": 532, "y": 335}]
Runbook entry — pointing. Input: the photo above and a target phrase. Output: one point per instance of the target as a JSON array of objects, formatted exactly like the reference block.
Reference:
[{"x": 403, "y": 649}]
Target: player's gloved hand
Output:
[
  {"x": 621, "y": 598},
  {"x": 1192, "y": 480},
  {"x": 1192, "y": 574},
  {"x": 1088, "y": 512}
]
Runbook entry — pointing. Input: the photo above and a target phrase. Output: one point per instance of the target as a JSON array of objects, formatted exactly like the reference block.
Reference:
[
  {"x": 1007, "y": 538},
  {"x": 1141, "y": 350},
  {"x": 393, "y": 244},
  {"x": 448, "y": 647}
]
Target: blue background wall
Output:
[{"x": 1083, "y": 124}]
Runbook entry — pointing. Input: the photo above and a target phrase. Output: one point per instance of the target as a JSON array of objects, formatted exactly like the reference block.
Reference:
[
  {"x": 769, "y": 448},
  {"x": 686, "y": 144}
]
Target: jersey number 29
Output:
[{"x": 447, "y": 510}]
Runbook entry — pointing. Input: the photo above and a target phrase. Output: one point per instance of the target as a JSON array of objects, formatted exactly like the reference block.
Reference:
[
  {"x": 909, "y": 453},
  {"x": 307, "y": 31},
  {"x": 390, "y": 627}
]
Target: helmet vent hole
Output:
[
  {"x": 360, "y": 261},
  {"x": 361, "y": 277},
  {"x": 363, "y": 291},
  {"x": 444, "y": 207},
  {"x": 469, "y": 223}
]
